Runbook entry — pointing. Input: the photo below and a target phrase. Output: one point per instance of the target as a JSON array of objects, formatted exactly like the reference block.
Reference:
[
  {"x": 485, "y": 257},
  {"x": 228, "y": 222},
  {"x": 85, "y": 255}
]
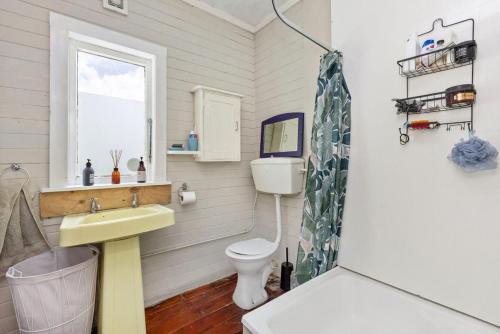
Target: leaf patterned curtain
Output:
[{"x": 326, "y": 173}]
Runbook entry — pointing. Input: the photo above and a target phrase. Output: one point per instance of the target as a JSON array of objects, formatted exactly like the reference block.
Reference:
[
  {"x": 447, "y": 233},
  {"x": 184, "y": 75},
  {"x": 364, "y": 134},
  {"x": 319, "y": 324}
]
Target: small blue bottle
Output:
[{"x": 192, "y": 141}]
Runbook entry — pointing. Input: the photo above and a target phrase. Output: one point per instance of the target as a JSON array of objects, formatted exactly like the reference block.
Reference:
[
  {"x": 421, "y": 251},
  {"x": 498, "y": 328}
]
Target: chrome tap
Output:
[
  {"x": 135, "y": 200},
  {"x": 94, "y": 205}
]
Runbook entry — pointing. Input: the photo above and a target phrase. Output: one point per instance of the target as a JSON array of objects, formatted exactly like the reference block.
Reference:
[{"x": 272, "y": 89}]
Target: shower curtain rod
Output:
[{"x": 297, "y": 28}]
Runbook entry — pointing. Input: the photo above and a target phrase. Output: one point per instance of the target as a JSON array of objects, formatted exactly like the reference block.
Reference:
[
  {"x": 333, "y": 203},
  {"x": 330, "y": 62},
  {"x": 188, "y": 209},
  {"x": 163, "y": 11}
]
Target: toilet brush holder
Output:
[{"x": 286, "y": 273}]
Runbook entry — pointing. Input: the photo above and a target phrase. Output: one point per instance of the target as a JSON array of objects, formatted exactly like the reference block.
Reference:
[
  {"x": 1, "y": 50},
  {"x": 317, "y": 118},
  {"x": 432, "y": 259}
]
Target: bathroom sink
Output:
[
  {"x": 113, "y": 224},
  {"x": 120, "y": 269}
]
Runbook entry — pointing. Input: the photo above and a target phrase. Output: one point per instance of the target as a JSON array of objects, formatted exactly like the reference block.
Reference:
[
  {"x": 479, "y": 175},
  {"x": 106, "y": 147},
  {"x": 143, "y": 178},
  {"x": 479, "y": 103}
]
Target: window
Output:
[
  {"x": 113, "y": 110},
  {"x": 105, "y": 96}
]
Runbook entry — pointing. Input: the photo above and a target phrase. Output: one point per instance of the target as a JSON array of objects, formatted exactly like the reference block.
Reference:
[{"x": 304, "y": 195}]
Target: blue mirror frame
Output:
[{"x": 300, "y": 138}]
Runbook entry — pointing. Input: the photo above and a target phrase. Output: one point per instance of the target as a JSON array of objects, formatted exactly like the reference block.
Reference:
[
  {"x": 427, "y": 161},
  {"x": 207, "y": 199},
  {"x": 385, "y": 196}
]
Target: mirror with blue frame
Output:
[{"x": 282, "y": 136}]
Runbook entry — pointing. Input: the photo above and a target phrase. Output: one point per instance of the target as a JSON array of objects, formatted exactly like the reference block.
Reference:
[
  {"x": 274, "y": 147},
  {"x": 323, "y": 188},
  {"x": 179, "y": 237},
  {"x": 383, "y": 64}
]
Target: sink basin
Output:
[
  {"x": 121, "y": 302},
  {"x": 113, "y": 224}
]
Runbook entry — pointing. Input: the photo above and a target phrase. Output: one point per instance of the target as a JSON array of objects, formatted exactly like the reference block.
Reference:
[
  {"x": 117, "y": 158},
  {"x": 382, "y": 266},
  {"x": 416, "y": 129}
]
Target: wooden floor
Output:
[{"x": 208, "y": 309}]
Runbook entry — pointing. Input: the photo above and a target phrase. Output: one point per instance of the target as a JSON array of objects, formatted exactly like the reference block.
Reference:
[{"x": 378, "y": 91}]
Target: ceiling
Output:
[{"x": 248, "y": 14}]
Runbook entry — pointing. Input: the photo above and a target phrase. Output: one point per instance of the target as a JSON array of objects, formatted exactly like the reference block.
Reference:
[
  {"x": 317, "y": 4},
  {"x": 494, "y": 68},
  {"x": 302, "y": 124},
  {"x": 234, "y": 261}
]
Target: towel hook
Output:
[
  {"x": 16, "y": 167},
  {"x": 404, "y": 138}
]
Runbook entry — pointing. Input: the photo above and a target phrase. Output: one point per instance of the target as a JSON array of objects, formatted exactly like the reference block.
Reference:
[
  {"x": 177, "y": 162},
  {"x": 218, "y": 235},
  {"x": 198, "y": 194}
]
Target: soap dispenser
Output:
[
  {"x": 88, "y": 174},
  {"x": 141, "y": 172}
]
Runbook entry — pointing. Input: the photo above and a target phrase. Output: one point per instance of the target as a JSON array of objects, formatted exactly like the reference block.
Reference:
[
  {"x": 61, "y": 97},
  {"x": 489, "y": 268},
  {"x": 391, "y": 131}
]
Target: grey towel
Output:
[{"x": 21, "y": 233}]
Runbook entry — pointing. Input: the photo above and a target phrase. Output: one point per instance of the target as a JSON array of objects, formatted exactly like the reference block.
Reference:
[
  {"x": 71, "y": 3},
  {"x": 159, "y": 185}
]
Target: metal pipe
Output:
[
  {"x": 278, "y": 219},
  {"x": 225, "y": 236},
  {"x": 297, "y": 28}
]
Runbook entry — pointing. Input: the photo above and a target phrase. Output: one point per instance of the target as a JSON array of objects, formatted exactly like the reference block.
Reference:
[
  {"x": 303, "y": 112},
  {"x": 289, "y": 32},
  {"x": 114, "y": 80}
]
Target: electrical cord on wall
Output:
[{"x": 246, "y": 230}]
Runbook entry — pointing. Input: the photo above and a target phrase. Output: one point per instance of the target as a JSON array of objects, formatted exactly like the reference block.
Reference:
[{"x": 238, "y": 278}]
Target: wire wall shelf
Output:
[{"x": 439, "y": 60}]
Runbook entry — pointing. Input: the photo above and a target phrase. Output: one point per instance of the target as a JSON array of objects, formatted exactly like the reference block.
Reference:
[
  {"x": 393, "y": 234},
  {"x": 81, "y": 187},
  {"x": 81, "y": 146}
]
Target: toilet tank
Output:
[{"x": 278, "y": 175}]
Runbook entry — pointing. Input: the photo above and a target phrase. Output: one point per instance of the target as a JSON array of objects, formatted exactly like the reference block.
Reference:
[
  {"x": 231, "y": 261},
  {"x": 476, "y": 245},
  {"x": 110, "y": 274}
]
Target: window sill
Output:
[{"x": 103, "y": 186}]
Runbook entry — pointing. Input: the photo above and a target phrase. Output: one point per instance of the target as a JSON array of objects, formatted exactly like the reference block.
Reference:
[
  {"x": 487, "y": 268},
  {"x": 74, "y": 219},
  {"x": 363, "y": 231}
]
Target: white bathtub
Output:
[{"x": 343, "y": 302}]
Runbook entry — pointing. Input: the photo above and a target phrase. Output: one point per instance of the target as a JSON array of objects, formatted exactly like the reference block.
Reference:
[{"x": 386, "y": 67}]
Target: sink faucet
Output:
[
  {"x": 94, "y": 205},
  {"x": 135, "y": 201}
]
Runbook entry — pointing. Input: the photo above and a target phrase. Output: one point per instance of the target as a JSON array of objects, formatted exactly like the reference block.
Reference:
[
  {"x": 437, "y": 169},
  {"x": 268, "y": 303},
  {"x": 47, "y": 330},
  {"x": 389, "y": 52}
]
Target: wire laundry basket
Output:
[{"x": 54, "y": 292}]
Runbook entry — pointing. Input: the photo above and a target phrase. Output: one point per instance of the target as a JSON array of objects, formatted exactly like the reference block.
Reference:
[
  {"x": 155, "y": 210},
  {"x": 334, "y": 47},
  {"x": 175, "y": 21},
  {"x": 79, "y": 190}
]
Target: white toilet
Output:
[{"x": 252, "y": 258}]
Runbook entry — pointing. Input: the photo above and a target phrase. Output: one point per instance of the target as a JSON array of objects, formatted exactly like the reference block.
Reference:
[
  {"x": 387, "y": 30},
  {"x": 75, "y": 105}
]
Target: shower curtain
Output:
[{"x": 326, "y": 172}]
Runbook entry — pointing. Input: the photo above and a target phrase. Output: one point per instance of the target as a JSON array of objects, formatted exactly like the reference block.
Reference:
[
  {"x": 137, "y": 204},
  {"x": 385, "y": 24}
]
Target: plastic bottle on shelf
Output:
[
  {"x": 141, "y": 172},
  {"x": 193, "y": 141},
  {"x": 412, "y": 50}
]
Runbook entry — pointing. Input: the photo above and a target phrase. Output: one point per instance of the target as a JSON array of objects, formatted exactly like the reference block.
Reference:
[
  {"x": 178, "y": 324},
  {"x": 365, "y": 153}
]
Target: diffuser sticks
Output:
[{"x": 115, "y": 156}]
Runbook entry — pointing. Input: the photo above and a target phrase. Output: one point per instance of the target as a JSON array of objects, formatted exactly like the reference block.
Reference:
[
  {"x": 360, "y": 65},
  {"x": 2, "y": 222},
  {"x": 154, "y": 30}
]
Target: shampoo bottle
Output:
[
  {"x": 412, "y": 50},
  {"x": 88, "y": 174},
  {"x": 141, "y": 172}
]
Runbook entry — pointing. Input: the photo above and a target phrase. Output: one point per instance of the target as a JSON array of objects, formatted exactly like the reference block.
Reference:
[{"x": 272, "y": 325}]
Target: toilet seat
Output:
[
  {"x": 255, "y": 246},
  {"x": 251, "y": 249}
]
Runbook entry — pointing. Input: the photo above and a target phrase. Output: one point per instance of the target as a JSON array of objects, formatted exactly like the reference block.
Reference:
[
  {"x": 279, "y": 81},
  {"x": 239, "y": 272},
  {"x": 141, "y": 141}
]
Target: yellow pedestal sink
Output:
[{"x": 121, "y": 304}]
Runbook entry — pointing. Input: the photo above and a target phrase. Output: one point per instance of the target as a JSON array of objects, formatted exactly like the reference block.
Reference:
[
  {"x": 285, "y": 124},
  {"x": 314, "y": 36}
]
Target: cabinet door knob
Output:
[{"x": 237, "y": 124}]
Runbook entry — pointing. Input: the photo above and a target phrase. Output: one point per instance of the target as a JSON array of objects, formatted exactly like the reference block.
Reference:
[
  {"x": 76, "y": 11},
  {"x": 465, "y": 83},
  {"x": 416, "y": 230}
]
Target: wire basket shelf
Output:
[
  {"x": 431, "y": 62},
  {"x": 428, "y": 103}
]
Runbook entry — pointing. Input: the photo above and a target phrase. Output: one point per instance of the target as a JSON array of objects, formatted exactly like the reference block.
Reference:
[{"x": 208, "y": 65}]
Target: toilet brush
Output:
[{"x": 286, "y": 272}]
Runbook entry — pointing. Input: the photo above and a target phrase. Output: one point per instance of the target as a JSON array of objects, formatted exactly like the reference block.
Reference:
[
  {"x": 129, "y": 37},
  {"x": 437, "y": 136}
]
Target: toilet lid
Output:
[{"x": 252, "y": 247}]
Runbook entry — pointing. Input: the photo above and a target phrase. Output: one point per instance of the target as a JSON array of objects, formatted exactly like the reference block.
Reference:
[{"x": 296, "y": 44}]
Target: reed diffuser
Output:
[{"x": 115, "y": 156}]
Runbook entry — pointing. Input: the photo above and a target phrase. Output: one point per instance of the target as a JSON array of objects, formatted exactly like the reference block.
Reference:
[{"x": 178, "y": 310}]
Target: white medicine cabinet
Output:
[{"x": 217, "y": 116}]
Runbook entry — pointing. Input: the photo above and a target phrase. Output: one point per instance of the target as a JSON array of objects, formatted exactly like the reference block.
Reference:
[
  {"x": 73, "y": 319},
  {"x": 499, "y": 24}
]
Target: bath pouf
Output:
[{"x": 474, "y": 154}]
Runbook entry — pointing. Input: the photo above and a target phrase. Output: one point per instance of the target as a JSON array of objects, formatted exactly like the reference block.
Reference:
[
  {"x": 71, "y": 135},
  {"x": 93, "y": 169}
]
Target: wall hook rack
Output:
[{"x": 462, "y": 125}]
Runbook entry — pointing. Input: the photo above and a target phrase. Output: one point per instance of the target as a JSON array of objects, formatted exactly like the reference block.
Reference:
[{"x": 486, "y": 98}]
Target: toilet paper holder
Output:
[{"x": 183, "y": 188}]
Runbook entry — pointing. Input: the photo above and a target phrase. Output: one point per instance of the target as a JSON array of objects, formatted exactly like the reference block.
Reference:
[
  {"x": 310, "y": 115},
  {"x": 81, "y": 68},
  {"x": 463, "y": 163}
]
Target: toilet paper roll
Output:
[{"x": 187, "y": 197}]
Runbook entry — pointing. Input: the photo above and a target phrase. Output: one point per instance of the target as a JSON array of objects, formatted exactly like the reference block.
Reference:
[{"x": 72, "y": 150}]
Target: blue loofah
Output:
[{"x": 474, "y": 154}]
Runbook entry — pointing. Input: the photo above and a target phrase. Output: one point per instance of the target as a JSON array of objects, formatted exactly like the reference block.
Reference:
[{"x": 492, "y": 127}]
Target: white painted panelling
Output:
[
  {"x": 275, "y": 76},
  {"x": 251, "y": 15},
  {"x": 412, "y": 218},
  {"x": 285, "y": 81},
  {"x": 250, "y": 11},
  {"x": 202, "y": 50}
]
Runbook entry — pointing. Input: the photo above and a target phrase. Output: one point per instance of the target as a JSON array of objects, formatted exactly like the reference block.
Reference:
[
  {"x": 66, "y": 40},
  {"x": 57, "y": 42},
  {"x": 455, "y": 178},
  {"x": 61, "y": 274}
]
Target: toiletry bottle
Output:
[
  {"x": 412, "y": 50},
  {"x": 88, "y": 174},
  {"x": 115, "y": 176},
  {"x": 193, "y": 141},
  {"x": 141, "y": 172}
]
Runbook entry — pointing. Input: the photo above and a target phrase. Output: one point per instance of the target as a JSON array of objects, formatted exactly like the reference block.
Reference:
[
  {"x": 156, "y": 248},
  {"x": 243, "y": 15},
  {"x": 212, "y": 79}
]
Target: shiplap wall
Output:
[
  {"x": 202, "y": 49},
  {"x": 279, "y": 88},
  {"x": 286, "y": 69}
]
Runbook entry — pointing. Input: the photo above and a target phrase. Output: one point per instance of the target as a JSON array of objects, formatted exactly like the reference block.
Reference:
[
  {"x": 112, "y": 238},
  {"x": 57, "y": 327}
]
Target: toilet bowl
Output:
[
  {"x": 252, "y": 258},
  {"x": 252, "y": 261}
]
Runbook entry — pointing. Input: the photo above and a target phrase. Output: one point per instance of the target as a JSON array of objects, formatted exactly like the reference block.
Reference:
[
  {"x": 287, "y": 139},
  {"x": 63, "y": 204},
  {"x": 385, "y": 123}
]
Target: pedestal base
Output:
[{"x": 121, "y": 305}]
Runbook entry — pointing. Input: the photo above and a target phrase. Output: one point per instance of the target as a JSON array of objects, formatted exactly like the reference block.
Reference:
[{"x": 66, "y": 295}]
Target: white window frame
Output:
[
  {"x": 78, "y": 45},
  {"x": 67, "y": 35}
]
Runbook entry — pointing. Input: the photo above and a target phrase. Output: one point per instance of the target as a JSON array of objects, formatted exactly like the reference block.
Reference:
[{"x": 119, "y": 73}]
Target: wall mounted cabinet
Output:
[{"x": 217, "y": 116}]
